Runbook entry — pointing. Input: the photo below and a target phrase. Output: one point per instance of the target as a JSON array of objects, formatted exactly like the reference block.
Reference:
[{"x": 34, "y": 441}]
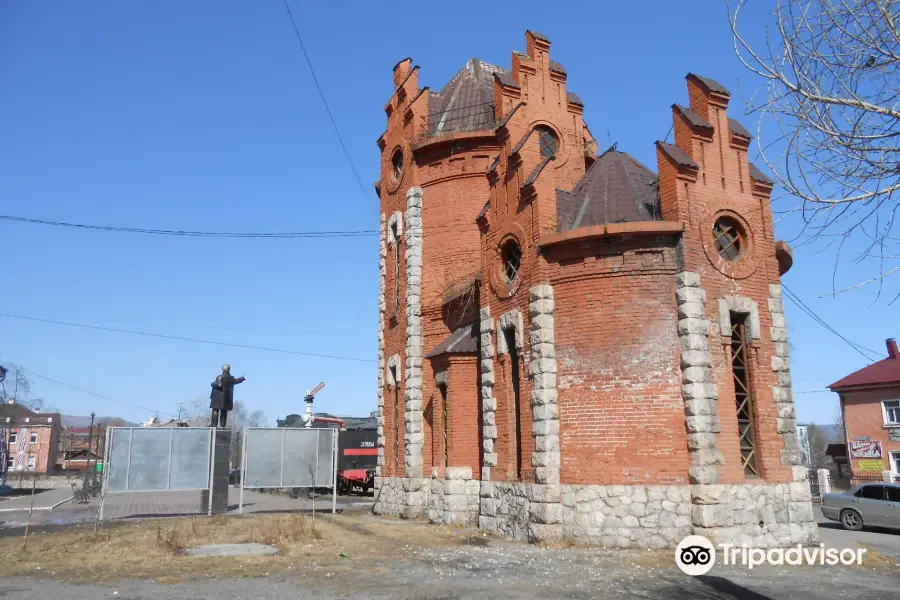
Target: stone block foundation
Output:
[{"x": 759, "y": 515}]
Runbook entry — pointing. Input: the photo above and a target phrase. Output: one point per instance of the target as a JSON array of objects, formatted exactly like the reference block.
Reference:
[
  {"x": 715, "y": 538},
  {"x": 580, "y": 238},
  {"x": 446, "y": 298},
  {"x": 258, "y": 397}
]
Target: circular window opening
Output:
[
  {"x": 548, "y": 141},
  {"x": 397, "y": 164},
  {"x": 730, "y": 238},
  {"x": 511, "y": 255}
]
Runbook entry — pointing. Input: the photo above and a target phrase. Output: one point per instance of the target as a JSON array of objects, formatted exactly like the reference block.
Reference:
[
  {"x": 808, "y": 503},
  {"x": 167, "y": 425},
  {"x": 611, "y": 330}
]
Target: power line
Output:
[
  {"x": 207, "y": 234},
  {"x": 101, "y": 396},
  {"x": 362, "y": 188},
  {"x": 187, "y": 339},
  {"x": 810, "y": 313}
]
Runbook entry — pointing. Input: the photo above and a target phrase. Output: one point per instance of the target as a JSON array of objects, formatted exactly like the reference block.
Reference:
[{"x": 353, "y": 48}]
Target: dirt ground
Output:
[
  {"x": 356, "y": 555},
  {"x": 153, "y": 549}
]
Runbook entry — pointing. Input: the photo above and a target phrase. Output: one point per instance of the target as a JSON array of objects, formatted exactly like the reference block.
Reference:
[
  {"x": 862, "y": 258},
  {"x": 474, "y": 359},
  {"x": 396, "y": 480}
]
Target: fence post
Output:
[{"x": 824, "y": 481}]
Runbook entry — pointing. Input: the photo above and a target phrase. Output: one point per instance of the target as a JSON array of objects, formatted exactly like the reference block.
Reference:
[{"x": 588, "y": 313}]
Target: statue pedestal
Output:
[{"x": 215, "y": 500}]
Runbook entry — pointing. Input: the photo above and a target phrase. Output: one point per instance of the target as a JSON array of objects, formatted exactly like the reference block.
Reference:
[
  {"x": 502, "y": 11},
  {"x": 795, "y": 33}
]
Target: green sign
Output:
[{"x": 99, "y": 467}]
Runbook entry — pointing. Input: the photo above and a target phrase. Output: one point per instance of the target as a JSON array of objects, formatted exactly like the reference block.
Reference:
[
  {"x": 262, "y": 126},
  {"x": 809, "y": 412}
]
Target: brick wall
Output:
[
  {"x": 863, "y": 417},
  {"x": 722, "y": 186},
  {"x": 460, "y": 374},
  {"x": 44, "y": 450},
  {"x": 621, "y": 411}
]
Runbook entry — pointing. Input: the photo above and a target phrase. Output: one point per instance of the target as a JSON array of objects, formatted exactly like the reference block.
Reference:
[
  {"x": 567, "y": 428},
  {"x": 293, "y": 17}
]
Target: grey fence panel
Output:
[
  {"x": 300, "y": 451},
  {"x": 116, "y": 463},
  {"x": 157, "y": 459},
  {"x": 148, "y": 468},
  {"x": 190, "y": 459},
  {"x": 286, "y": 457},
  {"x": 327, "y": 457},
  {"x": 263, "y": 466}
]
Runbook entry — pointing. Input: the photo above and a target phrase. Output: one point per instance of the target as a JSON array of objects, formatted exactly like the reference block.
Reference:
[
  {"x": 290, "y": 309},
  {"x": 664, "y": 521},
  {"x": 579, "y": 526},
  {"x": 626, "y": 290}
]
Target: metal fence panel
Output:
[
  {"x": 288, "y": 457},
  {"x": 157, "y": 459},
  {"x": 190, "y": 459},
  {"x": 263, "y": 462}
]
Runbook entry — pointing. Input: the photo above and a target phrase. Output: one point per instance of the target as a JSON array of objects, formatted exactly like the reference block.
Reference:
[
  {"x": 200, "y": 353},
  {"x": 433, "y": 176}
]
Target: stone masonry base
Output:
[{"x": 759, "y": 515}]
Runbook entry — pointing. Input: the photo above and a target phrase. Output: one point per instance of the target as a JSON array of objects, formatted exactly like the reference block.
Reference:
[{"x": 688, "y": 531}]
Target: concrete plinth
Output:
[{"x": 220, "y": 472}]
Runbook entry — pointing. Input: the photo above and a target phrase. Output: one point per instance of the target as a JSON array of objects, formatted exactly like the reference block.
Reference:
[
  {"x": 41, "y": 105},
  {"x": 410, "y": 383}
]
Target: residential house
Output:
[
  {"x": 870, "y": 403},
  {"x": 31, "y": 438}
]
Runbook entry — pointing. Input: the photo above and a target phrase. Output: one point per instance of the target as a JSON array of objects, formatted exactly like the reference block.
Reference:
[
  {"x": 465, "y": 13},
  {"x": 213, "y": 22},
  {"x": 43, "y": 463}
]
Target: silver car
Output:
[{"x": 868, "y": 505}]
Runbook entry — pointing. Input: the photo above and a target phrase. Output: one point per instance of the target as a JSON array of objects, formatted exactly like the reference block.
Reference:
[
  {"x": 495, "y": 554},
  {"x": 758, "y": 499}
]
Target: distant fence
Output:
[
  {"x": 822, "y": 481},
  {"x": 42, "y": 481}
]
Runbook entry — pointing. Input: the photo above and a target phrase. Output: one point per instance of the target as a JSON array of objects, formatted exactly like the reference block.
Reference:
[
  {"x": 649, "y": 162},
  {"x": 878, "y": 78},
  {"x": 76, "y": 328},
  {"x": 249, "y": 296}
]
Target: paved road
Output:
[
  {"x": 166, "y": 504},
  {"x": 47, "y": 500},
  {"x": 834, "y": 536}
]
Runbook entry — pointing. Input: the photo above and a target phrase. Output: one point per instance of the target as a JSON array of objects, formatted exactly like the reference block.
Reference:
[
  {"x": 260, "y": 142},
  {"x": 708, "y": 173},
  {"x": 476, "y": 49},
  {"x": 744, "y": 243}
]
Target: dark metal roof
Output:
[
  {"x": 537, "y": 171},
  {"x": 758, "y": 175},
  {"x": 710, "y": 84},
  {"x": 693, "y": 118},
  {"x": 509, "y": 115},
  {"x": 739, "y": 129},
  {"x": 506, "y": 79},
  {"x": 615, "y": 189},
  {"x": 678, "y": 155},
  {"x": 408, "y": 75},
  {"x": 521, "y": 143},
  {"x": 555, "y": 66},
  {"x": 400, "y": 61},
  {"x": 484, "y": 210},
  {"x": 574, "y": 98},
  {"x": 836, "y": 451},
  {"x": 462, "y": 341},
  {"x": 466, "y": 103},
  {"x": 538, "y": 35}
]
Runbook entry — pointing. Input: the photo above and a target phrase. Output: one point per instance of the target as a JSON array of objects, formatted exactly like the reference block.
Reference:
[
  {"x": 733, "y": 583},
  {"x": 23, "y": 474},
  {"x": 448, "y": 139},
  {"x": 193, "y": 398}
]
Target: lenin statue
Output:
[{"x": 221, "y": 399}]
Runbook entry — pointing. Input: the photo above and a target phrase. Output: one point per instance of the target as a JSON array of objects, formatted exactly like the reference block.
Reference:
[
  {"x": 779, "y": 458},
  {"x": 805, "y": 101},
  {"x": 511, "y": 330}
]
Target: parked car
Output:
[{"x": 868, "y": 505}]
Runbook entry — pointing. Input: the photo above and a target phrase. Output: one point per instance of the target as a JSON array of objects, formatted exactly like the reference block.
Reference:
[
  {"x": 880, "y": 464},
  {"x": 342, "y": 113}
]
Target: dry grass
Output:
[
  {"x": 875, "y": 560},
  {"x": 154, "y": 549}
]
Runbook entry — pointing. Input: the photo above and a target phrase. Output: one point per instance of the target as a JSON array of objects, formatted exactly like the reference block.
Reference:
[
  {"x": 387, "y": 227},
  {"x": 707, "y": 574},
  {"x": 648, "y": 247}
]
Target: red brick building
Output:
[
  {"x": 870, "y": 405},
  {"x": 571, "y": 344},
  {"x": 31, "y": 438}
]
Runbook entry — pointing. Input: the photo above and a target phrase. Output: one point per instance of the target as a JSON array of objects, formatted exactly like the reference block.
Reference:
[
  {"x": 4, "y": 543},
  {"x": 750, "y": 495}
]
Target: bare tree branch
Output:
[{"x": 832, "y": 97}]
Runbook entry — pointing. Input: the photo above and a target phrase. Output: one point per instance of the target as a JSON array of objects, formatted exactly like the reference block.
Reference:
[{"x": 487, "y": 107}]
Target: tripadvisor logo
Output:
[{"x": 696, "y": 555}]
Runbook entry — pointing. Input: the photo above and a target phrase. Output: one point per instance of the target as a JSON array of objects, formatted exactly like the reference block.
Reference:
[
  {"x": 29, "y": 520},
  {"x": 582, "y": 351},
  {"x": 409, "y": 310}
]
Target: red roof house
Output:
[{"x": 870, "y": 404}]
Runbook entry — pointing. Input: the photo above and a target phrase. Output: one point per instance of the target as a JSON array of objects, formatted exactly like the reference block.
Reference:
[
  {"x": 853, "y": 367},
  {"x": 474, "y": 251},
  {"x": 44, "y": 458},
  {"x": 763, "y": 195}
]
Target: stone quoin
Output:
[{"x": 580, "y": 347}]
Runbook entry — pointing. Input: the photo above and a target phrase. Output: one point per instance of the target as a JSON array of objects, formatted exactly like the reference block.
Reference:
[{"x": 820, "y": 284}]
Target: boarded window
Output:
[{"x": 743, "y": 395}]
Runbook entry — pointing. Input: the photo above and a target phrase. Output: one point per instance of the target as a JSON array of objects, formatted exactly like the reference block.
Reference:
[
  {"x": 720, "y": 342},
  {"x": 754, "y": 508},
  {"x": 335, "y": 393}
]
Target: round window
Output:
[
  {"x": 397, "y": 164},
  {"x": 549, "y": 143},
  {"x": 511, "y": 255},
  {"x": 730, "y": 238}
]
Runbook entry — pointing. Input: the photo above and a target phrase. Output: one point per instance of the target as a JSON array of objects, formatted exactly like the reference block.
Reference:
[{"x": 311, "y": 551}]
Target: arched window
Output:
[
  {"x": 511, "y": 255},
  {"x": 548, "y": 141},
  {"x": 397, "y": 164}
]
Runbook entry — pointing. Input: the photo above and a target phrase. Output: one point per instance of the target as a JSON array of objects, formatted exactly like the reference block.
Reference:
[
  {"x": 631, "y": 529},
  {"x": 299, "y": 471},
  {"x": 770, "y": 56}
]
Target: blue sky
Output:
[{"x": 203, "y": 115}]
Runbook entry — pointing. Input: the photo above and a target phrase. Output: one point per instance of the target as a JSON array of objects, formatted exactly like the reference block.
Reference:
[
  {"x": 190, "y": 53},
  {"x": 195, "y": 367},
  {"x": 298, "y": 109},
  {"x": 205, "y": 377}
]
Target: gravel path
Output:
[{"x": 496, "y": 573}]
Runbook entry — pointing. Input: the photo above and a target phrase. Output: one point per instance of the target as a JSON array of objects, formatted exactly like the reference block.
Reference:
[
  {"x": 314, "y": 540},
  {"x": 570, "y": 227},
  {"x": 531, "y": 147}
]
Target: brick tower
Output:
[{"x": 571, "y": 345}]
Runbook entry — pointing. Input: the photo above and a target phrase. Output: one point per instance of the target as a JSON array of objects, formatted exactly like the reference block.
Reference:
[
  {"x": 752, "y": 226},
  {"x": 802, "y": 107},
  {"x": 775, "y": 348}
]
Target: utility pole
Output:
[
  {"x": 4, "y": 430},
  {"x": 90, "y": 440}
]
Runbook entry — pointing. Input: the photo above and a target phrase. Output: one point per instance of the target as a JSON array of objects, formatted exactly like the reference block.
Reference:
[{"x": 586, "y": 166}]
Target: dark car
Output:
[{"x": 868, "y": 505}]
